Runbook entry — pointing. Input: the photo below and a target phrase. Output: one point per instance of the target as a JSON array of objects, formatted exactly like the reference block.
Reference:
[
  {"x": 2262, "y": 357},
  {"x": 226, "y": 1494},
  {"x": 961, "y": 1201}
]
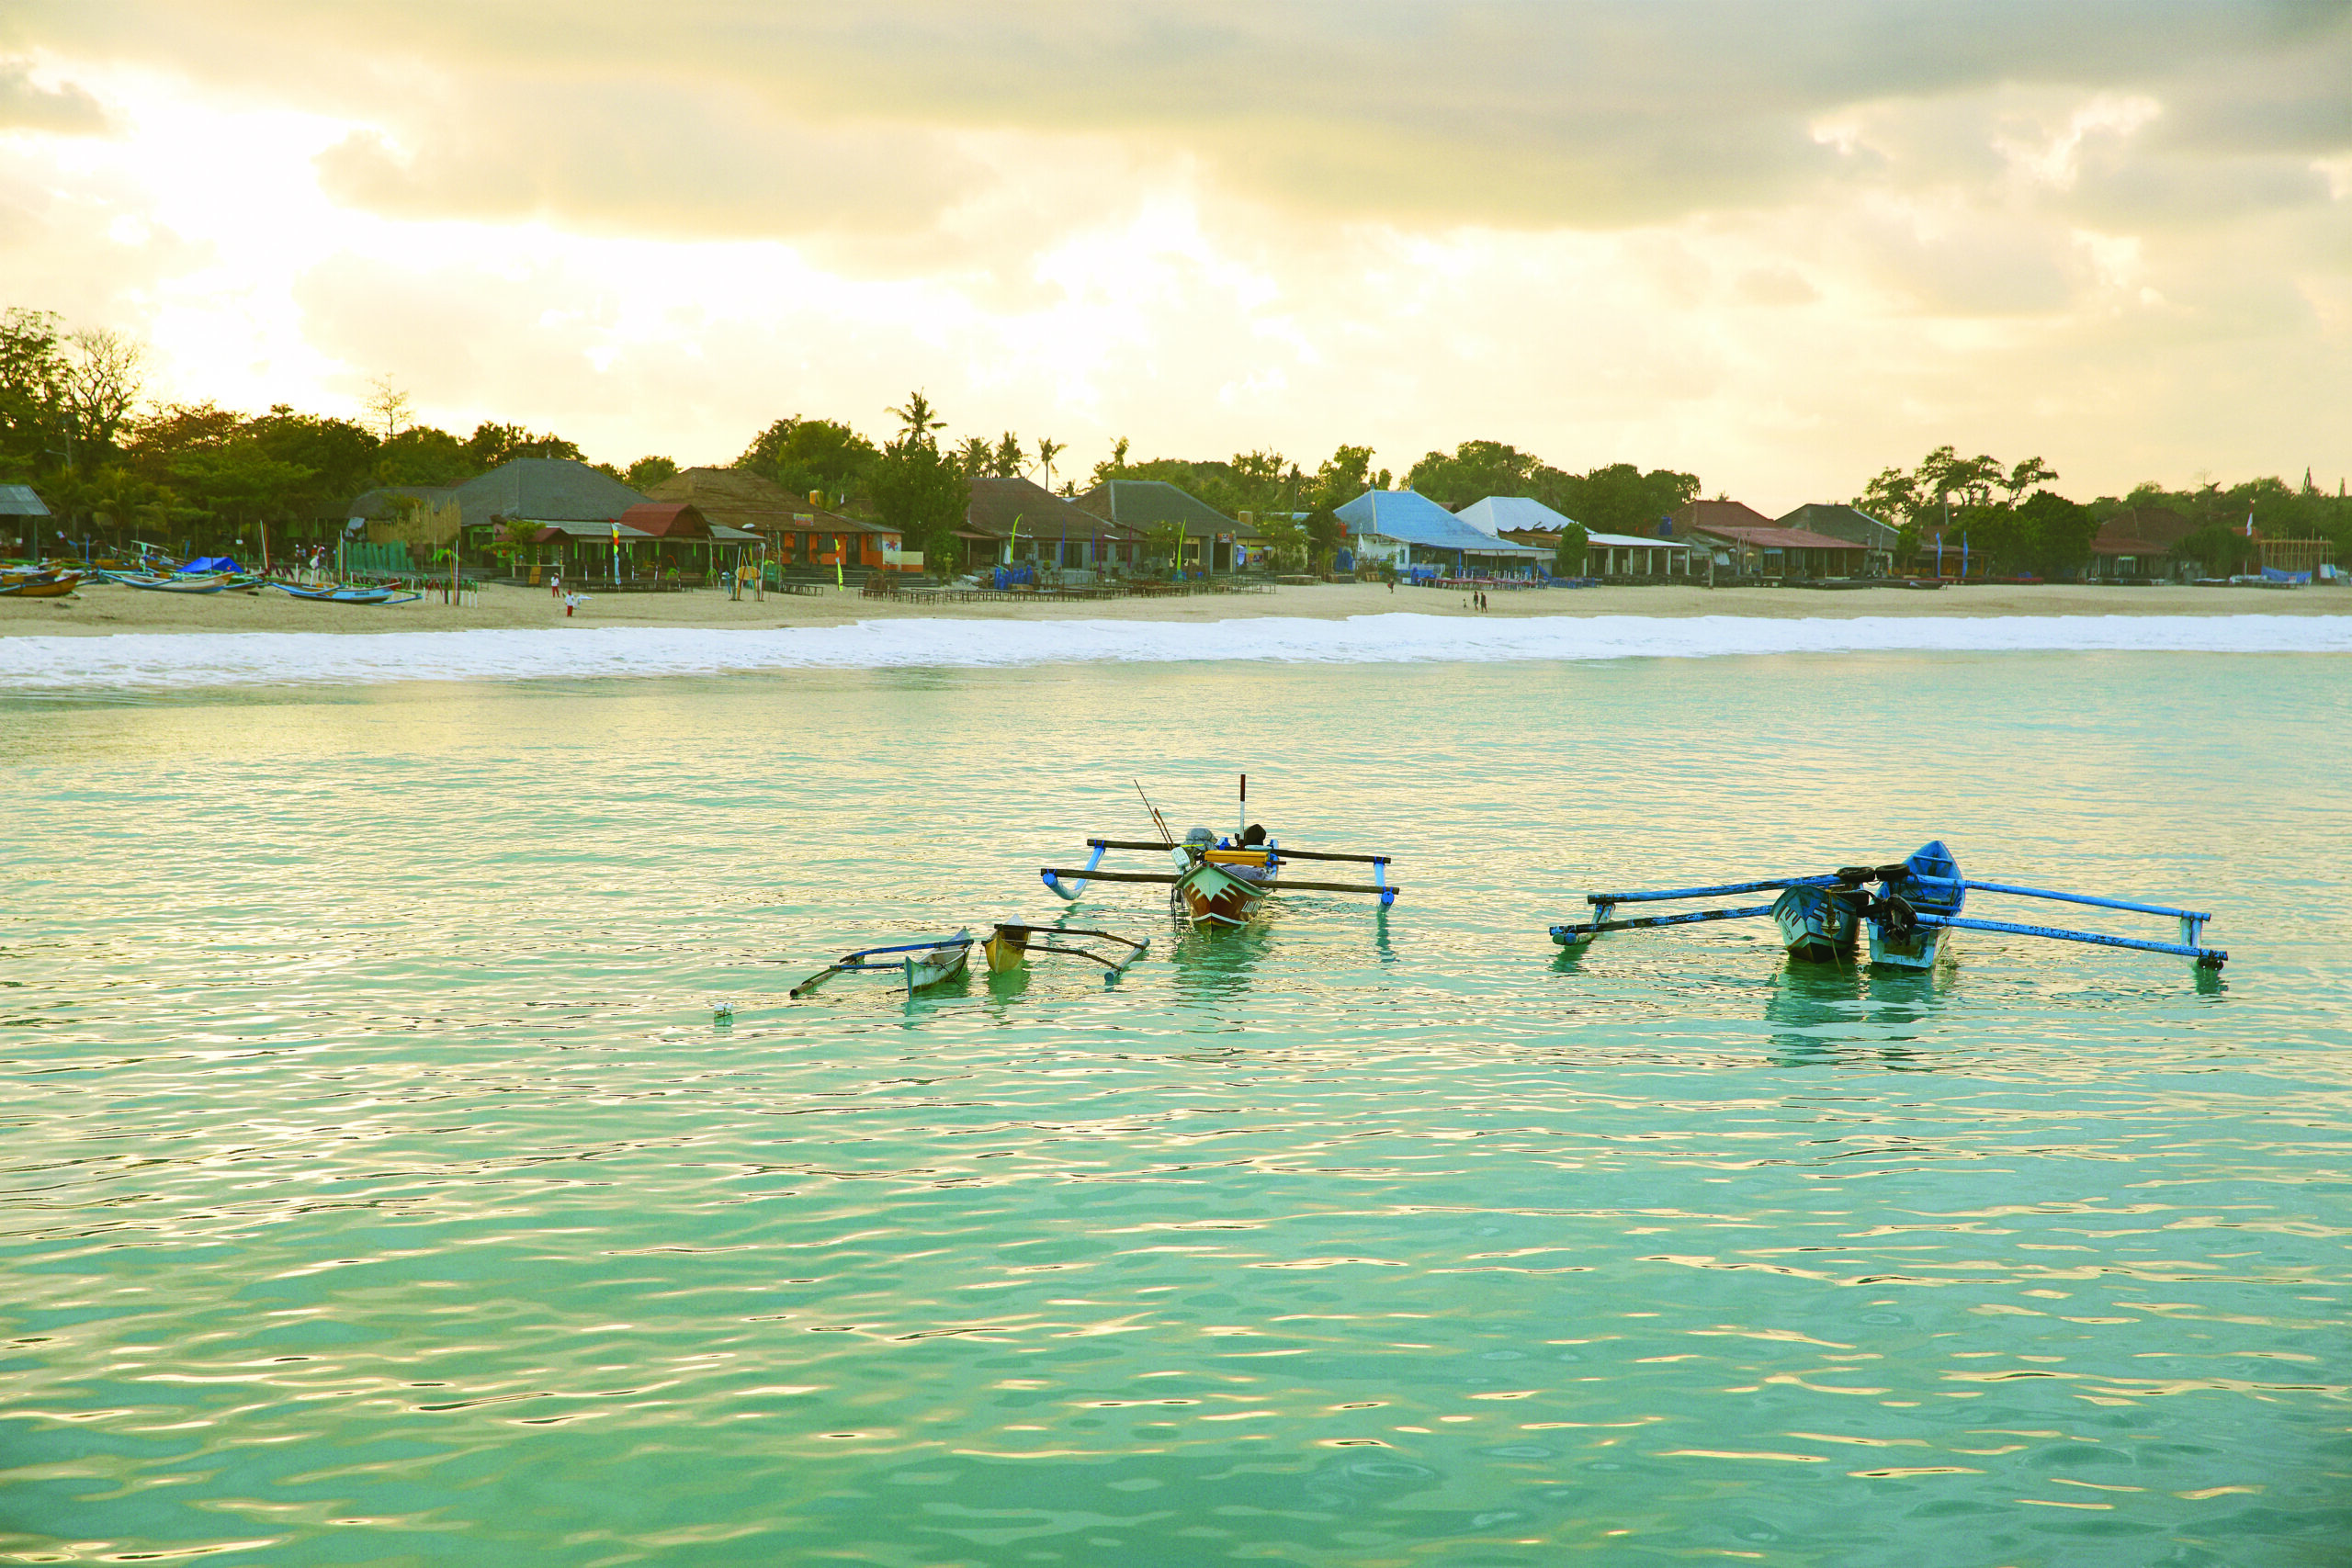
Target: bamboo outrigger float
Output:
[
  {"x": 1217, "y": 882},
  {"x": 1909, "y": 919}
]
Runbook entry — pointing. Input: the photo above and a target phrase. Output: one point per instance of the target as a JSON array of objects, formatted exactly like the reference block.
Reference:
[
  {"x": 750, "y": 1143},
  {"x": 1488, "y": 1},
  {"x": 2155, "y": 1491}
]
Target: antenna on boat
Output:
[
  {"x": 1244, "y": 825},
  {"x": 1157, "y": 821}
]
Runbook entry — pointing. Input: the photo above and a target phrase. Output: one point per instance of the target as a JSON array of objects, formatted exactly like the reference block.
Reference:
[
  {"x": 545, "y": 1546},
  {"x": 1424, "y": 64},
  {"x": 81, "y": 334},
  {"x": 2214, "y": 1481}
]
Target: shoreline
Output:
[{"x": 110, "y": 609}]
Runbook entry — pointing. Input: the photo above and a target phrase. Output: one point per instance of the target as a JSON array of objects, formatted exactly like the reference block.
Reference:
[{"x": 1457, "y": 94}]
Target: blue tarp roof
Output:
[{"x": 1415, "y": 519}]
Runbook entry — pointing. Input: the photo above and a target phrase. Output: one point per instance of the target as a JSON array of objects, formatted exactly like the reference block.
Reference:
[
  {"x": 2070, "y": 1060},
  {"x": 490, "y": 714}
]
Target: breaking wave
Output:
[{"x": 137, "y": 662}]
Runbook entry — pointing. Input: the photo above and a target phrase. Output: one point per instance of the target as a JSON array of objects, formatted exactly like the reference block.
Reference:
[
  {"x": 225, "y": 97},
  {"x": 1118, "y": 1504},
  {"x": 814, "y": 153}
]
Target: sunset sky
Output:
[{"x": 1779, "y": 245}]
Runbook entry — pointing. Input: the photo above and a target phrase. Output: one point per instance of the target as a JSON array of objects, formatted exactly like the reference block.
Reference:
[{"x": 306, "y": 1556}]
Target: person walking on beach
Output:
[
  {"x": 573, "y": 602},
  {"x": 555, "y": 585}
]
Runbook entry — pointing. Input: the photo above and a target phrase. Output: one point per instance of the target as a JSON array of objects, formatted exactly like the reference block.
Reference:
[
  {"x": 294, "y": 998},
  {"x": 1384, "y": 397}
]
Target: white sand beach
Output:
[{"x": 109, "y": 608}]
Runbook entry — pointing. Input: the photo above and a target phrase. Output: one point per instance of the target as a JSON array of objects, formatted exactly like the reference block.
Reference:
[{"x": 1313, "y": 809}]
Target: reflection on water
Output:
[
  {"x": 380, "y": 1190},
  {"x": 1214, "y": 964},
  {"x": 1828, "y": 1014}
]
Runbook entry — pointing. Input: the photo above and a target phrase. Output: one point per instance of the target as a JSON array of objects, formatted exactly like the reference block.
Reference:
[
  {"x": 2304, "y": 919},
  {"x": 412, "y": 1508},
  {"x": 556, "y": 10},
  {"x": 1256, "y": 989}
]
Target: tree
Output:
[
  {"x": 918, "y": 490},
  {"x": 493, "y": 443},
  {"x": 99, "y": 385},
  {"x": 1475, "y": 470},
  {"x": 1622, "y": 499},
  {"x": 647, "y": 472},
  {"x": 31, "y": 371},
  {"x": 2025, "y": 476},
  {"x": 806, "y": 454},
  {"x": 340, "y": 455},
  {"x": 1568, "y": 556},
  {"x": 156, "y": 441},
  {"x": 1047, "y": 450},
  {"x": 975, "y": 456},
  {"x": 422, "y": 455},
  {"x": 1340, "y": 479},
  {"x": 389, "y": 404},
  {"x": 237, "y": 483},
  {"x": 1325, "y": 532},
  {"x": 1114, "y": 466},
  {"x": 1008, "y": 462},
  {"x": 2221, "y": 550},
  {"x": 125, "y": 506}
]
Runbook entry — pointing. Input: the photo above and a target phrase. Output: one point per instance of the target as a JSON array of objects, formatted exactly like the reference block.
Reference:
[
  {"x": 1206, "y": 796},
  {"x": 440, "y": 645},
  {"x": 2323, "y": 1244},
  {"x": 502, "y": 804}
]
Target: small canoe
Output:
[{"x": 917, "y": 963}]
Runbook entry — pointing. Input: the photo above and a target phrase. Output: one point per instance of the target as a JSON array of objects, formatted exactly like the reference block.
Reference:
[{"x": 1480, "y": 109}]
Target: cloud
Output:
[
  {"x": 65, "y": 109},
  {"x": 749, "y": 118},
  {"x": 1782, "y": 248}
]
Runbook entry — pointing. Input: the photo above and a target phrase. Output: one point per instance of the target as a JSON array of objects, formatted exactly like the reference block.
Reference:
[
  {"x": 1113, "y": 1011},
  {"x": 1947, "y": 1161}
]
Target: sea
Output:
[{"x": 383, "y": 1183}]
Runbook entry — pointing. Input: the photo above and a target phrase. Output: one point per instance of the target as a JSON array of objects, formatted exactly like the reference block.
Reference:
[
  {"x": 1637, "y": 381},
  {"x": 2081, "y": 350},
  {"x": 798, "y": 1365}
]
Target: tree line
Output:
[
  {"x": 1950, "y": 499},
  {"x": 75, "y": 425}
]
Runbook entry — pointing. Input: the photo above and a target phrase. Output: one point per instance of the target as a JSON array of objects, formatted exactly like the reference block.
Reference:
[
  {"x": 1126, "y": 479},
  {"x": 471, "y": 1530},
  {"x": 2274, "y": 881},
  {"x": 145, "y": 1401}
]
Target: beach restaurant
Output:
[
  {"x": 1523, "y": 521},
  {"x": 1015, "y": 522},
  {"x": 1748, "y": 544},
  {"x": 1212, "y": 542},
  {"x": 1406, "y": 528}
]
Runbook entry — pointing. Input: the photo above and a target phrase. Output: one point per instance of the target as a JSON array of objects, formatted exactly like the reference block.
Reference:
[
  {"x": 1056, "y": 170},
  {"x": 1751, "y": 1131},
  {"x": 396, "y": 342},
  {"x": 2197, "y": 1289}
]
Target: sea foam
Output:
[{"x": 147, "y": 661}]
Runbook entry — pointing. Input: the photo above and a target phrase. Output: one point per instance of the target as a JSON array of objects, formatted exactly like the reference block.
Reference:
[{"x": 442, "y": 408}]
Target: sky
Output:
[{"x": 1780, "y": 245}]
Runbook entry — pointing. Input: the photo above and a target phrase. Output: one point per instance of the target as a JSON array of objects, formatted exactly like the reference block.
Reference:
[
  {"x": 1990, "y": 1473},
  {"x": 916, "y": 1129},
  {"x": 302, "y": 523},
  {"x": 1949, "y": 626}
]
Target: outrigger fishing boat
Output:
[
  {"x": 1009, "y": 948},
  {"x": 917, "y": 963},
  {"x": 347, "y": 594},
  {"x": 209, "y": 583},
  {"x": 1909, "y": 919},
  {"x": 1217, "y": 882},
  {"x": 38, "y": 584}
]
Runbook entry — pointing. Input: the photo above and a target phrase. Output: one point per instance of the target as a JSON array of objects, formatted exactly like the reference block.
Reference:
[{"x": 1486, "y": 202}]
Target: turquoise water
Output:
[{"x": 378, "y": 1189}]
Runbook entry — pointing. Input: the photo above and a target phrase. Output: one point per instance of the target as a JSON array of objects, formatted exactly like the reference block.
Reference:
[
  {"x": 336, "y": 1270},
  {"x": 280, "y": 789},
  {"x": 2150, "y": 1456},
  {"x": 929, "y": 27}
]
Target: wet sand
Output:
[{"x": 109, "y": 608}]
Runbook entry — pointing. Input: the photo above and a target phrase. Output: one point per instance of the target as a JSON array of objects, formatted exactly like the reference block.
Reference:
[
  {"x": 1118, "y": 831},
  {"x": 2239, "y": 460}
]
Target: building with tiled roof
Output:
[{"x": 1212, "y": 542}]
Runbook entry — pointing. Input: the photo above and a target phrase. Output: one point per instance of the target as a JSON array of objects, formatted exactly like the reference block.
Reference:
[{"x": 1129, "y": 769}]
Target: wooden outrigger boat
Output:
[
  {"x": 217, "y": 584},
  {"x": 1217, "y": 882},
  {"x": 347, "y": 594},
  {"x": 38, "y": 584},
  {"x": 1009, "y": 947},
  {"x": 1910, "y": 919},
  {"x": 917, "y": 963}
]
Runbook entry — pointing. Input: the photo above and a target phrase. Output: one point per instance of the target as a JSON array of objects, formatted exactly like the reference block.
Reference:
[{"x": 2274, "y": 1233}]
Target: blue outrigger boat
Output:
[
  {"x": 347, "y": 594},
  {"x": 1909, "y": 918}
]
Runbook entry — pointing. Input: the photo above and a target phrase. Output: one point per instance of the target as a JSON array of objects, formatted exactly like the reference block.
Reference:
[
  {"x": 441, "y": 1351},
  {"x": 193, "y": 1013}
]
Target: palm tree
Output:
[
  {"x": 1047, "y": 450},
  {"x": 919, "y": 417}
]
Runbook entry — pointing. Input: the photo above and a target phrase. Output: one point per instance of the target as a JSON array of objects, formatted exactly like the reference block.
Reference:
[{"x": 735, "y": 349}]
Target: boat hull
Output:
[
  {"x": 1817, "y": 924},
  {"x": 1007, "y": 949},
  {"x": 1930, "y": 884},
  {"x": 1921, "y": 947},
  {"x": 935, "y": 964},
  {"x": 54, "y": 589},
  {"x": 1216, "y": 896}
]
